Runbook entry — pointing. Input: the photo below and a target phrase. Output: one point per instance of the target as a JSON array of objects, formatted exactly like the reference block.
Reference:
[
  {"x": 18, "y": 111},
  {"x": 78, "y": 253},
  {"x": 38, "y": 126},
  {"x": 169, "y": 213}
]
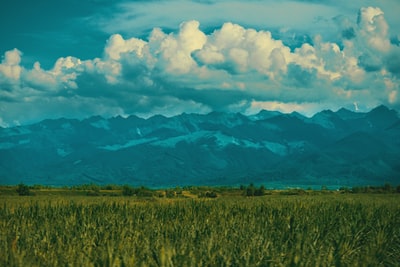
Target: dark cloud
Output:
[
  {"x": 300, "y": 77},
  {"x": 349, "y": 33},
  {"x": 369, "y": 62},
  {"x": 395, "y": 40},
  {"x": 393, "y": 61}
]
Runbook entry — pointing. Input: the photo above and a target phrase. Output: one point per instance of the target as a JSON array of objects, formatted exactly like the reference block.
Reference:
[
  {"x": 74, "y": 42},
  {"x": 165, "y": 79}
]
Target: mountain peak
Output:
[
  {"x": 346, "y": 114},
  {"x": 327, "y": 119},
  {"x": 344, "y": 111},
  {"x": 325, "y": 113},
  {"x": 382, "y": 117},
  {"x": 264, "y": 114},
  {"x": 297, "y": 115},
  {"x": 93, "y": 119},
  {"x": 382, "y": 110}
]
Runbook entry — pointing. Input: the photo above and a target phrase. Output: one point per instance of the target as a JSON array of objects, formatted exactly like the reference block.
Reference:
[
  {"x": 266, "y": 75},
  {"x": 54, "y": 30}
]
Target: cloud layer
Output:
[{"x": 233, "y": 68}]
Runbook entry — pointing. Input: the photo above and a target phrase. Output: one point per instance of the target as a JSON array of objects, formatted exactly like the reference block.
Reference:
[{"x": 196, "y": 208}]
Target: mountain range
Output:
[{"x": 342, "y": 148}]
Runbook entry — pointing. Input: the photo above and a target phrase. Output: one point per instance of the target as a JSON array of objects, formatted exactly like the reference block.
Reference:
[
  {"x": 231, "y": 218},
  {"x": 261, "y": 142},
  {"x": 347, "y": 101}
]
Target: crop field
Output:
[{"x": 270, "y": 230}]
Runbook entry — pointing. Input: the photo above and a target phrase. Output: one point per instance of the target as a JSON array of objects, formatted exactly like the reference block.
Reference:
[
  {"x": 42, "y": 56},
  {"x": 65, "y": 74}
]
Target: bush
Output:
[
  {"x": 252, "y": 191},
  {"x": 211, "y": 194},
  {"x": 293, "y": 192},
  {"x": 260, "y": 191},
  {"x": 208, "y": 194},
  {"x": 108, "y": 187},
  {"x": 93, "y": 193},
  {"x": 170, "y": 193},
  {"x": 143, "y": 192},
  {"x": 128, "y": 191},
  {"x": 23, "y": 190}
]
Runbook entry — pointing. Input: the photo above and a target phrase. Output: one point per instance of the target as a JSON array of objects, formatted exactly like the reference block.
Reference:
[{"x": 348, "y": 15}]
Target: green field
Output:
[{"x": 54, "y": 228}]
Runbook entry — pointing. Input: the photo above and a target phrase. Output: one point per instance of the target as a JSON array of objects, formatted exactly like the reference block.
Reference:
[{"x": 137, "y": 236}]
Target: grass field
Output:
[{"x": 53, "y": 228}]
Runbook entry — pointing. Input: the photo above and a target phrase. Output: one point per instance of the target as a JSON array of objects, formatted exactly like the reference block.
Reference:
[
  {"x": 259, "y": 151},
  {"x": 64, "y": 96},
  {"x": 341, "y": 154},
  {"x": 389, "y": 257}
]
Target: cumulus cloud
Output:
[
  {"x": 233, "y": 68},
  {"x": 374, "y": 29},
  {"x": 10, "y": 70}
]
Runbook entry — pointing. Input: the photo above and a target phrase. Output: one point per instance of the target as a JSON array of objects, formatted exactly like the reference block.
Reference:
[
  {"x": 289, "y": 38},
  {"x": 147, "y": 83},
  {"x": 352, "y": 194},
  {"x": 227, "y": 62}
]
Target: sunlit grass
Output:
[{"x": 273, "y": 230}]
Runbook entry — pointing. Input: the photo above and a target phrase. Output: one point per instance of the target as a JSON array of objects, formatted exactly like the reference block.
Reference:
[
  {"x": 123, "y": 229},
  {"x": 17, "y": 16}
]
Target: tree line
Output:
[{"x": 211, "y": 192}]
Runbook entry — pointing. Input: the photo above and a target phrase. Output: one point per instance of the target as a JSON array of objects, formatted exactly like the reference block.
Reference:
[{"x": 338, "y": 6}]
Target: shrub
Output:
[
  {"x": 260, "y": 191},
  {"x": 211, "y": 194},
  {"x": 93, "y": 193},
  {"x": 23, "y": 190},
  {"x": 128, "y": 191},
  {"x": 170, "y": 193},
  {"x": 252, "y": 191},
  {"x": 208, "y": 194}
]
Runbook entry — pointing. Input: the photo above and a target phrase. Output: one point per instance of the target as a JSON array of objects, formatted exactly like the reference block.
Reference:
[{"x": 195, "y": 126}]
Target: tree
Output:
[
  {"x": 94, "y": 191},
  {"x": 208, "y": 194},
  {"x": 260, "y": 191},
  {"x": 128, "y": 191},
  {"x": 23, "y": 190},
  {"x": 252, "y": 191},
  {"x": 211, "y": 194},
  {"x": 387, "y": 188}
]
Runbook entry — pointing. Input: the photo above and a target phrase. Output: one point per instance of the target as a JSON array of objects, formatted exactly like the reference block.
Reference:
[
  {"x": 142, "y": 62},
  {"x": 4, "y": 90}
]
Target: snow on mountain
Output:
[
  {"x": 187, "y": 138},
  {"x": 103, "y": 124},
  {"x": 130, "y": 143},
  {"x": 264, "y": 114},
  {"x": 276, "y": 148},
  {"x": 62, "y": 152}
]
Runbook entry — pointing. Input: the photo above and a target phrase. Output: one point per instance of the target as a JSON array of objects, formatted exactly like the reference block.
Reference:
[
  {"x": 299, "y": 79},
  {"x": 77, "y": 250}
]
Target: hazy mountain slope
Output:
[{"x": 330, "y": 148}]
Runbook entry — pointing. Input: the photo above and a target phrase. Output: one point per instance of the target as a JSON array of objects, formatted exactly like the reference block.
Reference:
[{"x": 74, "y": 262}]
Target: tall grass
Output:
[{"x": 266, "y": 231}]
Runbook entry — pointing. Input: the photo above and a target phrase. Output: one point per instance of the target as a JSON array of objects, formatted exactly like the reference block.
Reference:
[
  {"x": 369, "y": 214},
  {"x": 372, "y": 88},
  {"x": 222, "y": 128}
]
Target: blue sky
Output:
[{"x": 80, "y": 58}]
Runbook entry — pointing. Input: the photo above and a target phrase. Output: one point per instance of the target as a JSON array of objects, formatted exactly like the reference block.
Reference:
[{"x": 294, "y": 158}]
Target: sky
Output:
[{"x": 79, "y": 58}]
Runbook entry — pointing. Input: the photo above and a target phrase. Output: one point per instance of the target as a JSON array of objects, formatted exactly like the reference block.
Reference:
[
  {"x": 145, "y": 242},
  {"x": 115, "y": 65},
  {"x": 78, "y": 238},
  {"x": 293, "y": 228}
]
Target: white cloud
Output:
[
  {"x": 9, "y": 67},
  {"x": 175, "y": 51},
  {"x": 307, "y": 109},
  {"x": 232, "y": 68},
  {"x": 39, "y": 78},
  {"x": 374, "y": 28},
  {"x": 116, "y": 45}
]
